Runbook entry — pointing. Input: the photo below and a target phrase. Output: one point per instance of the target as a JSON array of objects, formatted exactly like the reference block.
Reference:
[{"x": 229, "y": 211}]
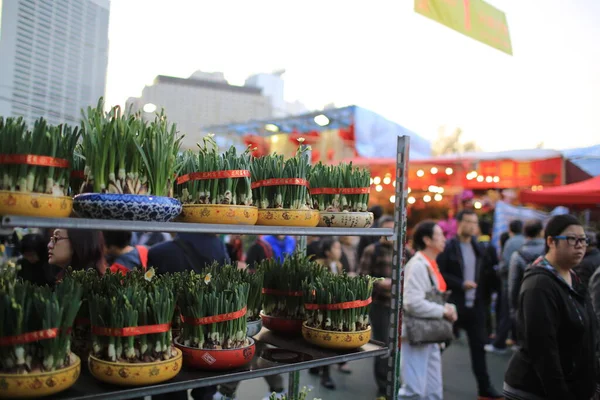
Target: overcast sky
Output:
[{"x": 383, "y": 56}]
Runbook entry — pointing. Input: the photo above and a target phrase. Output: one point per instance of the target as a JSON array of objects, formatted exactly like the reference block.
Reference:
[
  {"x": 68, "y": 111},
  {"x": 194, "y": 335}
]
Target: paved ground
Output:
[{"x": 459, "y": 383}]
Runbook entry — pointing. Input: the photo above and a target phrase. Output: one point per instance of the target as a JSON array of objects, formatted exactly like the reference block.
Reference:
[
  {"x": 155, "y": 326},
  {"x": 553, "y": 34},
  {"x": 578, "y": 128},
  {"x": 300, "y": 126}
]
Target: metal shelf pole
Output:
[{"x": 393, "y": 370}]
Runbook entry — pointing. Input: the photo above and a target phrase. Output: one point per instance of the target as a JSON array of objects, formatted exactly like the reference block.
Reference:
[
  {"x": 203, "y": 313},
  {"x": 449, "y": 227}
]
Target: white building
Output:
[
  {"x": 53, "y": 57},
  {"x": 272, "y": 87},
  {"x": 203, "y": 99}
]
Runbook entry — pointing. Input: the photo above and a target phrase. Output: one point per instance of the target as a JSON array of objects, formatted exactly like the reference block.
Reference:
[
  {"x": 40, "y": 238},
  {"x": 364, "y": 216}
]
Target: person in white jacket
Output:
[{"x": 421, "y": 365}]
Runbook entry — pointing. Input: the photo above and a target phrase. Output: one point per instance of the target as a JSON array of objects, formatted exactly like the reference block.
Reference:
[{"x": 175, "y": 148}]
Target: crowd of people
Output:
[{"x": 544, "y": 288}]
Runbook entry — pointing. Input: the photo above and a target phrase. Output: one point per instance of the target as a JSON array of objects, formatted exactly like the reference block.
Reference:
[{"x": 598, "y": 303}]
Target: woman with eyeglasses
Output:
[
  {"x": 555, "y": 323},
  {"x": 78, "y": 249}
]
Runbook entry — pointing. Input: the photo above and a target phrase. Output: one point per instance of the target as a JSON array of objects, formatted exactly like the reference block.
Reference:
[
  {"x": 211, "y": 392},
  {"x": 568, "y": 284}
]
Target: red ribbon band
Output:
[
  {"x": 30, "y": 337},
  {"x": 214, "y": 318},
  {"x": 199, "y": 176},
  {"x": 131, "y": 330},
  {"x": 32, "y": 159},
  {"x": 340, "y": 190},
  {"x": 279, "y": 182},
  {"x": 339, "y": 306},
  {"x": 276, "y": 292}
]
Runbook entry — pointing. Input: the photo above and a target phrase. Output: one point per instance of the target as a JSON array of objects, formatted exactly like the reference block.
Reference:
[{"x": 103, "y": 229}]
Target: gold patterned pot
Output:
[
  {"x": 219, "y": 214},
  {"x": 29, "y": 386},
  {"x": 35, "y": 204},
  {"x": 135, "y": 374},
  {"x": 345, "y": 219},
  {"x": 288, "y": 217},
  {"x": 336, "y": 340}
]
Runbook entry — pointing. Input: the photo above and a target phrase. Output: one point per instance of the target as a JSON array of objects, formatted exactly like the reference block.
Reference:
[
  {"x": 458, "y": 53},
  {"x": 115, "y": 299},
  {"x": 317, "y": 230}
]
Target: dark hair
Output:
[
  {"x": 503, "y": 239},
  {"x": 88, "y": 248},
  {"x": 593, "y": 236},
  {"x": 34, "y": 243},
  {"x": 516, "y": 226},
  {"x": 377, "y": 212},
  {"x": 558, "y": 224},
  {"x": 325, "y": 245},
  {"x": 485, "y": 227},
  {"x": 120, "y": 239},
  {"x": 385, "y": 219},
  {"x": 533, "y": 227},
  {"x": 461, "y": 214},
  {"x": 420, "y": 232}
]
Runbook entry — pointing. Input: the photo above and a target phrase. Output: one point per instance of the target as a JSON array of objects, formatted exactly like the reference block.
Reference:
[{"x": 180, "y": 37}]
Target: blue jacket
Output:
[{"x": 281, "y": 248}]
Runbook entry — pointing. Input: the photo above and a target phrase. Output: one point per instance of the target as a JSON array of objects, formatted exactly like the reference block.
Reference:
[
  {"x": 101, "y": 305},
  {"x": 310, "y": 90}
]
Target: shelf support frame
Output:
[{"x": 400, "y": 213}]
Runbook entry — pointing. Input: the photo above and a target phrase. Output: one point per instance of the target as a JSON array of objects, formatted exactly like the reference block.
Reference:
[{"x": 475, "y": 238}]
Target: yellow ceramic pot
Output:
[
  {"x": 219, "y": 214},
  {"x": 29, "y": 386},
  {"x": 336, "y": 340},
  {"x": 35, "y": 204},
  {"x": 345, "y": 219},
  {"x": 130, "y": 374},
  {"x": 287, "y": 217}
]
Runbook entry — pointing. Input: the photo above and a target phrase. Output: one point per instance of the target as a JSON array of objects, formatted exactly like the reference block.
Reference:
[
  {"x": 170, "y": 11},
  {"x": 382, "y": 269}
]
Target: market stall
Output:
[
  {"x": 580, "y": 194},
  {"x": 142, "y": 334}
]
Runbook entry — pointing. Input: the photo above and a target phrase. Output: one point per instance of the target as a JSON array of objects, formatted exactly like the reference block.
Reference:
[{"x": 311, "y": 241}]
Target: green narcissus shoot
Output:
[{"x": 287, "y": 277}]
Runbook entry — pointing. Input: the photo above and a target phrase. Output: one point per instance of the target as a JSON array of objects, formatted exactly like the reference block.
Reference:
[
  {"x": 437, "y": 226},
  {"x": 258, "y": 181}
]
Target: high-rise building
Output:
[
  {"x": 201, "y": 100},
  {"x": 53, "y": 57},
  {"x": 272, "y": 87}
]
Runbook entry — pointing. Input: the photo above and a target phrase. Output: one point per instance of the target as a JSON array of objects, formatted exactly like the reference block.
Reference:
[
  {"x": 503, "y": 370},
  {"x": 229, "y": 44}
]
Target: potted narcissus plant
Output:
[
  {"x": 341, "y": 194},
  {"x": 35, "y": 336},
  {"x": 35, "y": 168},
  {"x": 215, "y": 188},
  {"x": 213, "y": 308},
  {"x": 130, "y": 166},
  {"x": 132, "y": 342},
  {"x": 283, "y": 302},
  {"x": 337, "y": 310},
  {"x": 280, "y": 189}
]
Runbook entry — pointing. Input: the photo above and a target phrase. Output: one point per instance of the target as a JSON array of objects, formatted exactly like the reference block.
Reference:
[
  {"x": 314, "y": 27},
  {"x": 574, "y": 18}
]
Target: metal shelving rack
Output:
[{"x": 88, "y": 388}]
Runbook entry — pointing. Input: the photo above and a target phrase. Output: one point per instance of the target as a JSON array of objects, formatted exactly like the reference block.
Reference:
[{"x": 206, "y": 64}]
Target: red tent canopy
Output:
[{"x": 584, "y": 193}]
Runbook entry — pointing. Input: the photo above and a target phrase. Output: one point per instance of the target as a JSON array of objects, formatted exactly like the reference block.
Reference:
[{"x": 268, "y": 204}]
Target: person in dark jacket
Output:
[
  {"x": 462, "y": 266},
  {"x": 557, "y": 328},
  {"x": 34, "y": 262},
  {"x": 591, "y": 260},
  {"x": 365, "y": 241},
  {"x": 533, "y": 248},
  {"x": 188, "y": 251},
  {"x": 120, "y": 255}
]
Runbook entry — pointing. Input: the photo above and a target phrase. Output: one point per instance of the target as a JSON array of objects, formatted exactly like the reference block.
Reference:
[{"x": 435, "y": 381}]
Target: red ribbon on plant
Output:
[
  {"x": 33, "y": 159},
  {"x": 276, "y": 292},
  {"x": 30, "y": 337},
  {"x": 200, "y": 176},
  {"x": 366, "y": 190},
  {"x": 280, "y": 182},
  {"x": 213, "y": 319},
  {"x": 131, "y": 330},
  {"x": 339, "y": 306}
]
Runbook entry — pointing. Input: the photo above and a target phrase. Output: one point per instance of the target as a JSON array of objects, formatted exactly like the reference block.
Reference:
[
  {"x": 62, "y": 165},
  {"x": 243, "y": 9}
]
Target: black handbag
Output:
[{"x": 429, "y": 330}]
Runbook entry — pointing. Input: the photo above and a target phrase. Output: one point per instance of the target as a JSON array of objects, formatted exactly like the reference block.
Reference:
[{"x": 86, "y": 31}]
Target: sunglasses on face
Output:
[{"x": 574, "y": 240}]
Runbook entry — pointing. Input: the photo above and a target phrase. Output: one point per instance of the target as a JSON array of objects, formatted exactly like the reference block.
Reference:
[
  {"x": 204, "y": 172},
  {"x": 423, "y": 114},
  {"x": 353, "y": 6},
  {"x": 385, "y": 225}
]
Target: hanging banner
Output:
[{"x": 474, "y": 18}]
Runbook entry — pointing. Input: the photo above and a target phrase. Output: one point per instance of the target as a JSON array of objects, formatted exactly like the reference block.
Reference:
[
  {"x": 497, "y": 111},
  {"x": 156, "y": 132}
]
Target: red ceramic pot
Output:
[
  {"x": 282, "y": 325},
  {"x": 217, "y": 359}
]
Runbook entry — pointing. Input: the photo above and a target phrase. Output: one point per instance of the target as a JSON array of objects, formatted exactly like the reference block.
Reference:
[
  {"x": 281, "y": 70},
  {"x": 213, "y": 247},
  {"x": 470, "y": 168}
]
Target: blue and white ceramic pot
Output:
[{"x": 128, "y": 207}]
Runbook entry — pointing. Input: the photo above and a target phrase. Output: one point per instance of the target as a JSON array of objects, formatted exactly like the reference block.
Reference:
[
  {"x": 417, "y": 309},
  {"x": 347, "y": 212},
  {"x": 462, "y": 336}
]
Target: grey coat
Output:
[{"x": 531, "y": 249}]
